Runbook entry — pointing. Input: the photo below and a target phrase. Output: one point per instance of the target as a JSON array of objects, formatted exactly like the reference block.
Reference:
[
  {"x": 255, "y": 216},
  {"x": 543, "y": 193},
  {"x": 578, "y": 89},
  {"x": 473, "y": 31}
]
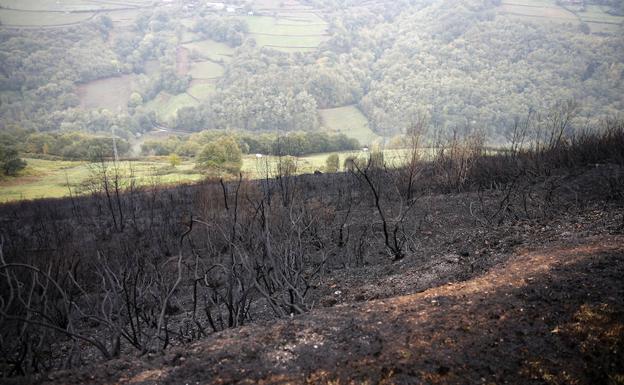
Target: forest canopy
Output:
[{"x": 463, "y": 64}]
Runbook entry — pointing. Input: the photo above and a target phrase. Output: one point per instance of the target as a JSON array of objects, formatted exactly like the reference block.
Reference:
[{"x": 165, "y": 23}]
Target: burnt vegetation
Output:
[{"x": 130, "y": 270}]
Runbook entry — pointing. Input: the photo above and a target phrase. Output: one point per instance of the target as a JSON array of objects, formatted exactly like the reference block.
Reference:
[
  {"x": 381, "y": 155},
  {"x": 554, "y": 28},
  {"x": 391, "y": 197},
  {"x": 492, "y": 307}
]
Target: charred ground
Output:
[{"x": 464, "y": 268}]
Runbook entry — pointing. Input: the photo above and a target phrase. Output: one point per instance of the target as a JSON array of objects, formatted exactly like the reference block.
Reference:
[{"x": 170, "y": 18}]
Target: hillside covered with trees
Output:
[{"x": 464, "y": 65}]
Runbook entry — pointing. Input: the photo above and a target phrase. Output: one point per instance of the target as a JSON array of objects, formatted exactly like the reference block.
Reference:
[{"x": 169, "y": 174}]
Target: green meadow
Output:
[
  {"x": 166, "y": 106},
  {"x": 201, "y": 90},
  {"x": 595, "y": 16},
  {"x": 210, "y": 50},
  {"x": 206, "y": 70},
  {"x": 350, "y": 121},
  {"x": 56, "y": 178},
  {"x": 288, "y": 32}
]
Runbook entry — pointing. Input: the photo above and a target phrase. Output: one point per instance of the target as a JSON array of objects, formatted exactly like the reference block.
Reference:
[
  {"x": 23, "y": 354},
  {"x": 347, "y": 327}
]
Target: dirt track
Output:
[{"x": 548, "y": 316}]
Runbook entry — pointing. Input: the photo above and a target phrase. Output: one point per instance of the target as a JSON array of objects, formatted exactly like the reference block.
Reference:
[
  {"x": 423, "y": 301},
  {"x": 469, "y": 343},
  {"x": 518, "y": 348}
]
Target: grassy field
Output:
[
  {"x": 189, "y": 37},
  {"x": 289, "y": 43},
  {"x": 210, "y": 50},
  {"x": 55, "y": 178},
  {"x": 282, "y": 26},
  {"x": 206, "y": 70},
  {"x": 603, "y": 28},
  {"x": 290, "y": 31},
  {"x": 48, "y": 13},
  {"x": 255, "y": 167},
  {"x": 124, "y": 18},
  {"x": 166, "y": 106},
  {"x": 50, "y": 178},
  {"x": 13, "y": 18},
  {"x": 532, "y": 10},
  {"x": 308, "y": 16},
  {"x": 53, "y": 5},
  {"x": 278, "y": 4},
  {"x": 349, "y": 121},
  {"x": 201, "y": 90},
  {"x": 596, "y": 13},
  {"x": 110, "y": 93},
  {"x": 600, "y": 21},
  {"x": 596, "y": 17},
  {"x": 72, "y": 5}
]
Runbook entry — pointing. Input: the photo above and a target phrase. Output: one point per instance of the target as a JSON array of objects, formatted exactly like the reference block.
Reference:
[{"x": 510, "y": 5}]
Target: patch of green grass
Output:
[
  {"x": 281, "y": 26},
  {"x": 40, "y": 19},
  {"x": 289, "y": 32},
  {"x": 350, "y": 121},
  {"x": 53, "y": 5},
  {"x": 293, "y": 49},
  {"x": 537, "y": 11},
  {"x": 604, "y": 28},
  {"x": 166, "y": 106},
  {"x": 530, "y": 3},
  {"x": 600, "y": 21},
  {"x": 594, "y": 15},
  {"x": 290, "y": 43},
  {"x": 188, "y": 22},
  {"x": 206, "y": 70},
  {"x": 37, "y": 167},
  {"x": 300, "y": 15},
  {"x": 188, "y": 37},
  {"x": 211, "y": 50},
  {"x": 50, "y": 178},
  {"x": 41, "y": 178},
  {"x": 55, "y": 178},
  {"x": 255, "y": 168},
  {"x": 124, "y": 18},
  {"x": 201, "y": 91}
]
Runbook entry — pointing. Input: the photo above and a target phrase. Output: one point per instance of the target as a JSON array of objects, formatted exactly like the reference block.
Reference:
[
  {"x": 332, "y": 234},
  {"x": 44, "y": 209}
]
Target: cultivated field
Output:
[
  {"x": 288, "y": 24},
  {"x": 73, "y": 5},
  {"x": 599, "y": 21},
  {"x": 51, "y": 13},
  {"x": 544, "y": 11},
  {"x": 350, "y": 121},
  {"x": 289, "y": 31},
  {"x": 13, "y": 18},
  {"x": 547, "y": 11}
]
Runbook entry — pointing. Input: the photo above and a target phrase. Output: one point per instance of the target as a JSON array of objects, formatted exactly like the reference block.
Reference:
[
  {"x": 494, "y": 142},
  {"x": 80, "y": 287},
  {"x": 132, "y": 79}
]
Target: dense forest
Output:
[{"x": 463, "y": 65}]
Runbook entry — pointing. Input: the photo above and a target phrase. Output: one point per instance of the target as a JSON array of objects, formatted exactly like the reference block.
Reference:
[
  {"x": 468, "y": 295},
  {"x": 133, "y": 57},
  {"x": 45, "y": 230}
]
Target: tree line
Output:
[{"x": 295, "y": 143}]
